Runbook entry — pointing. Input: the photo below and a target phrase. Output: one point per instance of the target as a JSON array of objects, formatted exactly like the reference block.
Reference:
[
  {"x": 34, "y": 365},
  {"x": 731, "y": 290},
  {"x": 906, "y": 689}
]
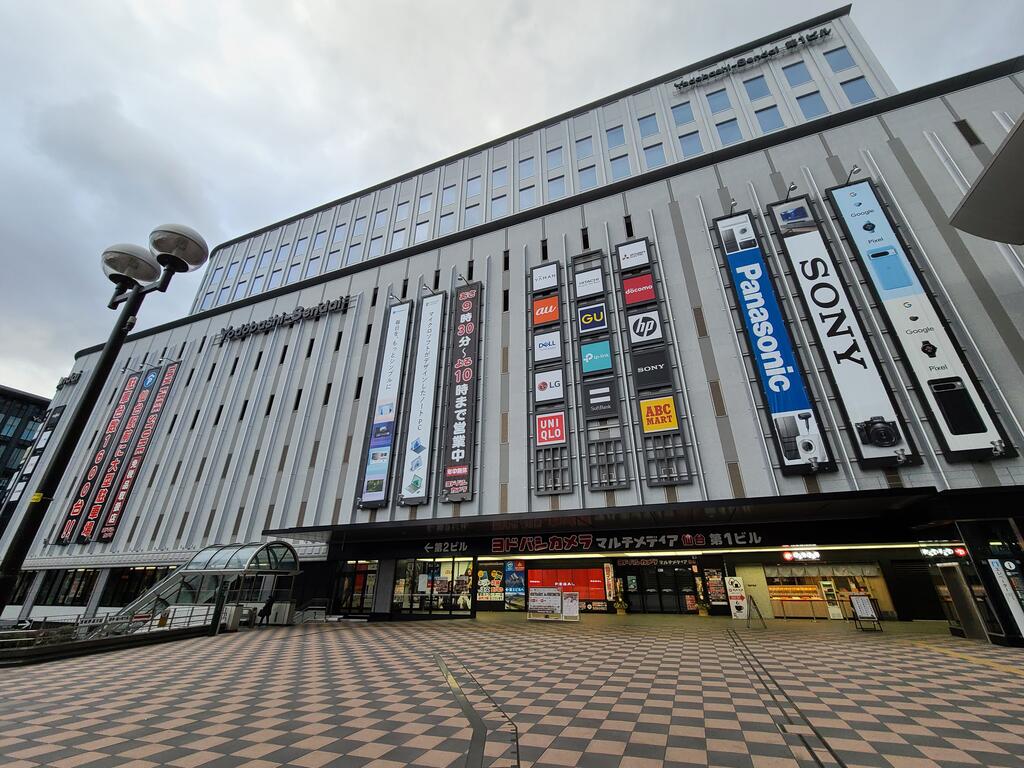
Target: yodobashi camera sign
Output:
[
  {"x": 864, "y": 395},
  {"x": 795, "y": 424},
  {"x": 961, "y": 417}
]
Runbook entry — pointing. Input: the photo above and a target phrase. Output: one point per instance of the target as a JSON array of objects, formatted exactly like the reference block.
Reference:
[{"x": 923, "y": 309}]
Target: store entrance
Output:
[
  {"x": 661, "y": 586},
  {"x": 356, "y": 587}
]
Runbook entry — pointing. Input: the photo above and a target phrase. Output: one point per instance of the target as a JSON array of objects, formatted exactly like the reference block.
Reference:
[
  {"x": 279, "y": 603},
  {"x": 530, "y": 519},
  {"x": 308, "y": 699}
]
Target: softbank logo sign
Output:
[
  {"x": 547, "y": 346},
  {"x": 592, "y": 318},
  {"x": 545, "y": 311}
]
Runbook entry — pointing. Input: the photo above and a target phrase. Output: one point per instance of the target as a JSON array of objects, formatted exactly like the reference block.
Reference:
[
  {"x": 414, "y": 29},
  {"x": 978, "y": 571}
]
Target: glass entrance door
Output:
[
  {"x": 660, "y": 588},
  {"x": 356, "y": 588}
]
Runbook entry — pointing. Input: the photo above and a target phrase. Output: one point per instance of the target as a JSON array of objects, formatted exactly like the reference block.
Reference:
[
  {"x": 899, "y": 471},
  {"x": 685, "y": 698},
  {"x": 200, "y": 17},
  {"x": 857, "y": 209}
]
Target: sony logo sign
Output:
[
  {"x": 285, "y": 319},
  {"x": 650, "y": 368},
  {"x": 823, "y": 294}
]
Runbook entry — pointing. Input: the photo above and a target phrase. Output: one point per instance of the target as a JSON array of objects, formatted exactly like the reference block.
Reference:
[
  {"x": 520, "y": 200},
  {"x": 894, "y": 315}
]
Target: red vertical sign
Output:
[
  {"x": 85, "y": 488},
  {"x": 138, "y": 455}
]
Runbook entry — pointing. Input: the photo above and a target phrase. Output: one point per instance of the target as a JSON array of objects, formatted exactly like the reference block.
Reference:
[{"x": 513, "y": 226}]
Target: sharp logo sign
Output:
[
  {"x": 545, "y": 311},
  {"x": 794, "y": 423},
  {"x": 863, "y": 394},
  {"x": 592, "y": 318}
]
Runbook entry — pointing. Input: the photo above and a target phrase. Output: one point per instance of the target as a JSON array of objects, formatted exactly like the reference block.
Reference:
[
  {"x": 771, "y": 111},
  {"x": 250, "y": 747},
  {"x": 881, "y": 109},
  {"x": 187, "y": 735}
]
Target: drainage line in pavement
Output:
[
  {"x": 475, "y": 755},
  {"x": 762, "y": 672}
]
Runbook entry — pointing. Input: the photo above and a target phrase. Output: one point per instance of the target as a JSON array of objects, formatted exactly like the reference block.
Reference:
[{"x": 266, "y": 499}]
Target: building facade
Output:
[
  {"x": 772, "y": 359},
  {"x": 21, "y": 415}
]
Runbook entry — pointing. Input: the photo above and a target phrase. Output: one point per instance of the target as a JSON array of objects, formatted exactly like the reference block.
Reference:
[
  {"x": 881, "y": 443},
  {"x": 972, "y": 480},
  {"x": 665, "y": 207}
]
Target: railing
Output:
[{"x": 313, "y": 612}]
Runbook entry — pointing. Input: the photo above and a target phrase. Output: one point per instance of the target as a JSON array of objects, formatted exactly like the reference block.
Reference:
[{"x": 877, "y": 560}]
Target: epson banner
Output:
[
  {"x": 419, "y": 444},
  {"x": 864, "y": 395},
  {"x": 384, "y": 411},
  {"x": 963, "y": 420},
  {"x": 795, "y": 425}
]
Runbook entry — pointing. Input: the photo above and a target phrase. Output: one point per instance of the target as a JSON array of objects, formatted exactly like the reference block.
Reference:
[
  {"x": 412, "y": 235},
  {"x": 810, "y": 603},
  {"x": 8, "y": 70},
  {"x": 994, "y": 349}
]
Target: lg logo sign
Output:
[{"x": 644, "y": 327}]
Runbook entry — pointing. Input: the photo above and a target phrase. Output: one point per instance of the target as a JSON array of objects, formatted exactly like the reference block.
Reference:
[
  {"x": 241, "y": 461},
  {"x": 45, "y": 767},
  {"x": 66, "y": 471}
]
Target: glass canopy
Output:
[{"x": 253, "y": 557}]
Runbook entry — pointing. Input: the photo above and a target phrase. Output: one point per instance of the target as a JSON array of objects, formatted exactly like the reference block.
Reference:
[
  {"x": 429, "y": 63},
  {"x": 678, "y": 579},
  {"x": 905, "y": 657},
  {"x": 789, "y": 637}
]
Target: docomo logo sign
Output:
[
  {"x": 639, "y": 289},
  {"x": 801, "y": 554},
  {"x": 551, "y": 428},
  {"x": 545, "y": 311}
]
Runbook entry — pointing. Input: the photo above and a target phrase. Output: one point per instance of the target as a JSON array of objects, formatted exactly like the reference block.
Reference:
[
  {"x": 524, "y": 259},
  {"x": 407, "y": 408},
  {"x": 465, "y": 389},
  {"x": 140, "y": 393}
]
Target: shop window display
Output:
[{"x": 435, "y": 587}]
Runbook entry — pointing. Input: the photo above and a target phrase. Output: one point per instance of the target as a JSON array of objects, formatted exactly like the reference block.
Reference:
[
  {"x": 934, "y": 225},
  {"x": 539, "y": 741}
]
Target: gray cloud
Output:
[{"x": 117, "y": 116}]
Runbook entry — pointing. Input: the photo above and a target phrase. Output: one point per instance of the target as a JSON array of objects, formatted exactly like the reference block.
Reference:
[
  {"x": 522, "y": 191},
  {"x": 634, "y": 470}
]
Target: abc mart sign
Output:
[{"x": 283, "y": 320}]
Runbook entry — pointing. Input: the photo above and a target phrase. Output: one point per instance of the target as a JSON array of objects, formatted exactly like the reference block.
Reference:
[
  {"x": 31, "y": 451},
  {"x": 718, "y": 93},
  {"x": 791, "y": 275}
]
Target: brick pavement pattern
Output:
[{"x": 636, "y": 692}]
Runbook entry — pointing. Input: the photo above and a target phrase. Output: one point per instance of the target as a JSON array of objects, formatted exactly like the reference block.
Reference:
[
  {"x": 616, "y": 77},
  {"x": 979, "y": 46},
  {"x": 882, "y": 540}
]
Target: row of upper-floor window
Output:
[
  {"x": 729, "y": 131},
  {"x": 9, "y": 427}
]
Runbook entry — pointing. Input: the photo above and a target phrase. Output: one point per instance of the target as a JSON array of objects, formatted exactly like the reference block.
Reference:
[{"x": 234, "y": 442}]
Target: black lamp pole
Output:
[{"x": 129, "y": 294}]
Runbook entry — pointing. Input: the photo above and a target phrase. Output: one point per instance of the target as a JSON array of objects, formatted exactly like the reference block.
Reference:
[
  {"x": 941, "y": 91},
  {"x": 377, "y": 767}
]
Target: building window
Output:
[
  {"x": 554, "y": 158},
  {"x": 499, "y": 206},
  {"x": 719, "y": 100},
  {"x": 333, "y": 259},
  {"x": 527, "y": 197},
  {"x": 359, "y": 228},
  {"x": 588, "y": 177},
  {"x": 293, "y": 273},
  {"x": 339, "y": 234},
  {"x": 381, "y": 219},
  {"x": 757, "y": 88},
  {"x": 257, "y": 284},
  {"x": 425, "y": 201},
  {"x": 499, "y": 177},
  {"x": 729, "y": 131},
  {"x": 248, "y": 264},
  {"x": 264, "y": 261},
  {"x": 402, "y": 211},
  {"x": 796, "y": 74},
  {"x": 300, "y": 246},
  {"x": 207, "y": 301},
  {"x": 472, "y": 217},
  {"x": 682, "y": 113},
  {"x": 526, "y": 168},
  {"x": 70, "y": 587},
  {"x": 839, "y": 59},
  {"x": 320, "y": 240},
  {"x": 223, "y": 295},
  {"x": 376, "y": 246},
  {"x": 239, "y": 291},
  {"x": 858, "y": 90},
  {"x": 812, "y": 105},
  {"x": 584, "y": 148},
  {"x": 282, "y": 253},
  {"x": 232, "y": 271},
  {"x": 648, "y": 125},
  {"x": 313, "y": 267},
  {"x": 769, "y": 119},
  {"x": 215, "y": 279},
  {"x": 446, "y": 224},
  {"x": 448, "y": 195},
  {"x": 275, "y": 279},
  {"x": 616, "y": 137},
  {"x": 397, "y": 239},
  {"x": 654, "y": 155},
  {"x": 473, "y": 187},
  {"x": 556, "y": 188},
  {"x": 352, "y": 257},
  {"x": 422, "y": 231},
  {"x": 620, "y": 167}
]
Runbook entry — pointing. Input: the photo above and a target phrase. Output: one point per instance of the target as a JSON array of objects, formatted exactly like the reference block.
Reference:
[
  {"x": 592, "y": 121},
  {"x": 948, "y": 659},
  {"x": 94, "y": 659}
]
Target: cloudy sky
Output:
[{"x": 118, "y": 116}]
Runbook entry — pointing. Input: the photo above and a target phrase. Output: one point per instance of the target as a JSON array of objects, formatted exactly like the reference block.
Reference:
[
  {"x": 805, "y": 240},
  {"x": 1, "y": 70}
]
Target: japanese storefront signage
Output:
[
  {"x": 550, "y": 428},
  {"x": 106, "y": 440},
  {"x": 107, "y": 486},
  {"x": 737, "y": 597},
  {"x": 863, "y": 393},
  {"x": 459, "y": 440},
  {"x": 658, "y": 414},
  {"x": 419, "y": 439},
  {"x": 282, "y": 320},
  {"x": 588, "y": 542},
  {"x": 960, "y": 415},
  {"x": 133, "y": 467},
  {"x": 633, "y": 254},
  {"x": 795, "y": 425},
  {"x": 384, "y": 409}
]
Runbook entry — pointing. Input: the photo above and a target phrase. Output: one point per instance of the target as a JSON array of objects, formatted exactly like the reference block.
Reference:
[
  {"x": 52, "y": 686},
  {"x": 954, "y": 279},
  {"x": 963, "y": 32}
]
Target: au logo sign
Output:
[
  {"x": 592, "y": 318},
  {"x": 658, "y": 414},
  {"x": 545, "y": 311}
]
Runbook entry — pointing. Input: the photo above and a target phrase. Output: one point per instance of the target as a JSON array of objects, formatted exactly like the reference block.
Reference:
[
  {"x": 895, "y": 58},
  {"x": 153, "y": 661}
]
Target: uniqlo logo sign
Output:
[
  {"x": 551, "y": 428},
  {"x": 638, "y": 289},
  {"x": 545, "y": 311}
]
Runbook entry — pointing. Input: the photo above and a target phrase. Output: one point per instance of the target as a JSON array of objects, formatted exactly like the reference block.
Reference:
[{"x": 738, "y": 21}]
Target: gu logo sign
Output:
[
  {"x": 592, "y": 318},
  {"x": 644, "y": 327},
  {"x": 550, "y": 428},
  {"x": 658, "y": 414},
  {"x": 545, "y": 311},
  {"x": 638, "y": 289}
]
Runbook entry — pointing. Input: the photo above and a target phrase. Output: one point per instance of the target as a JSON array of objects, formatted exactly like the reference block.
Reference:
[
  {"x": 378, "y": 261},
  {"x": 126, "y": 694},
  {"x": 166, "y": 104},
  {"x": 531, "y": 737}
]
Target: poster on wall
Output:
[
  {"x": 419, "y": 439},
  {"x": 461, "y": 387},
  {"x": 864, "y": 395},
  {"x": 515, "y": 585},
  {"x": 795, "y": 425},
  {"x": 384, "y": 408},
  {"x": 133, "y": 467},
  {"x": 87, "y": 484},
  {"x": 961, "y": 417},
  {"x": 118, "y": 456}
]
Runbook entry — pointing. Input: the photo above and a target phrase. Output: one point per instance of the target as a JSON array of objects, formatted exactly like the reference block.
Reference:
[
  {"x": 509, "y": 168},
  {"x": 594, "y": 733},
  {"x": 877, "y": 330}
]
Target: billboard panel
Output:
[
  {"x": 384, "y": 409},
  {"x": 419, "y": 439},
  {"x": 639, "y": 289},
  {"x": 864, "y": 395},
  {"x": 795, "y": 425},
  {"x": 592, "y": 318},
  {"x": 547, "y": 346},
  {"x": 461, "y": 377},
  {"x": 589, "y": 282},
  {"x": 651, "y": 368},
  {"x": 658, "y": 414},
  {"x": 596, "y": 357},
  {"x": 600, "y": 399},
  {"x": 633, "y": 254},
  {"x": 548, "y": 386},
  {"x": 644, "y": 327},
  {"x": 961, "y": 416},
  {"x": 544, "y": 277},
  {"x": 550, "y": 428},
  {"x": 545, "y": 311}
]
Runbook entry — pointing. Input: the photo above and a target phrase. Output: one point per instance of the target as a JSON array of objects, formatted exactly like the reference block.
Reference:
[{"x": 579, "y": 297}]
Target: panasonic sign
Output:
[
  {"x": 864, "y": 395},
  {"x": 795, "y": 424}
]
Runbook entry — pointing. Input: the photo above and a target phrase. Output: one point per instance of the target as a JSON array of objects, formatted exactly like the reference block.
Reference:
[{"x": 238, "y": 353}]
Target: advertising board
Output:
[
  {"x": 600, "y": 399},
  {"x": 462, "y": 388},
  {"x": 651, "y": 368},
  {"x": 633, "y": 254},
  {"x": 596, "y": 357},
  {"x": 644, "y": 327},
  {"x": 550, "y": 428},
  {"x": 658, "y": 414},
  {"x": 544, "y": 277},
  {"x": 545, "y": 311},
  {"x": 638, "y": 289},
  {"x": 547, "y": 346},
  {"x": 548, "y": 386},
  {"x": 589, "y": 282},
  {"x": 592, "y": 318}
]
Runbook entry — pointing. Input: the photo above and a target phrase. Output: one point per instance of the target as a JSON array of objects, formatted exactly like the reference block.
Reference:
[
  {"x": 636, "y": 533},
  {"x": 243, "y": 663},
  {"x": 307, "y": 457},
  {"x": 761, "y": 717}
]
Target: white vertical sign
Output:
[
  {"x": 426, "y": 361},
  {"x": 737, "y": 596}
]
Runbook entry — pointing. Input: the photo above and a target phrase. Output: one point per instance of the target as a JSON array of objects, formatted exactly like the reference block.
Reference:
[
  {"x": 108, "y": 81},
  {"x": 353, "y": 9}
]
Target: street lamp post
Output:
[{"x": 135, "y": 272}]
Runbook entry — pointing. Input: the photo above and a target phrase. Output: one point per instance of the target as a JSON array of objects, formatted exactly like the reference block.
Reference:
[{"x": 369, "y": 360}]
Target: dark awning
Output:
[{"x": 994, "y": 207}]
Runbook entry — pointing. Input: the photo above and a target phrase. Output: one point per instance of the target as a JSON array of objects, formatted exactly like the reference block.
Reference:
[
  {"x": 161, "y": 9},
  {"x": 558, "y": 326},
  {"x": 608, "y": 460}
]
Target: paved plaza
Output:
[{"x": 636, "y": 692}]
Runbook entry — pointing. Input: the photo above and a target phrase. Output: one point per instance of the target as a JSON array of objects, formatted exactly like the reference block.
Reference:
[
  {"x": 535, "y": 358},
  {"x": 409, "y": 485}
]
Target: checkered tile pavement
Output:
[{"x": 637, "y": 692}]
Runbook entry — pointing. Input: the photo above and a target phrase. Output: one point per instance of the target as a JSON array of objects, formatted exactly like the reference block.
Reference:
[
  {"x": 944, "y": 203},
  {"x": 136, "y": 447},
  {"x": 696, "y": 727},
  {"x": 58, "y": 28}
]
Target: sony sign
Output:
[
  {"x": 651, "y": 368},
  {"x": 864, "y": 394}
]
